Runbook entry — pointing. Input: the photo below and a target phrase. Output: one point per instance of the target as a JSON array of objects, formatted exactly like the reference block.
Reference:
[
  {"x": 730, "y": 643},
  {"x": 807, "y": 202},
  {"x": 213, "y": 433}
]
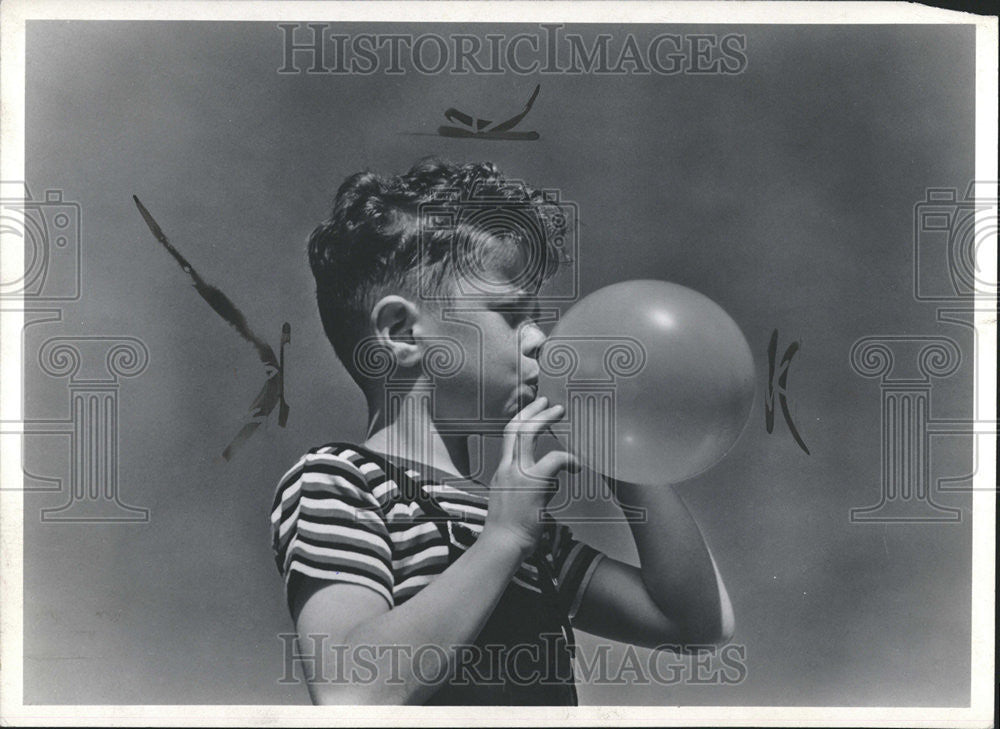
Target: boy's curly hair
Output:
[{"x": 411, "y": 234}]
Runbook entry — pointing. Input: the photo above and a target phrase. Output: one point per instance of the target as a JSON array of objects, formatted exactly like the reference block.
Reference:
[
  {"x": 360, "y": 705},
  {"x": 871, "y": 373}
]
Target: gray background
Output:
[{"x": 785, "y": 194}]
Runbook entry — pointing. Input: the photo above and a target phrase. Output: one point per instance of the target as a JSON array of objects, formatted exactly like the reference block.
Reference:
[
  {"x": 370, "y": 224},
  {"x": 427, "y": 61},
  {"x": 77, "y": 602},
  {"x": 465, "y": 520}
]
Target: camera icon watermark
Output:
[
  {"x": 48, "y": 229},
  {"x": 499, "y": 238},
  {"x": 955, "y": 244}
]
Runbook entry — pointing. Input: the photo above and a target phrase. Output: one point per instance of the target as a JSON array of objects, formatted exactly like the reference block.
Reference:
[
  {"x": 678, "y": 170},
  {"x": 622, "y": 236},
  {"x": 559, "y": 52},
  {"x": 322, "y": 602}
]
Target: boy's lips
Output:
[
  {"x": 528, "y": 389},
  {"x": 528, "y": 385}
]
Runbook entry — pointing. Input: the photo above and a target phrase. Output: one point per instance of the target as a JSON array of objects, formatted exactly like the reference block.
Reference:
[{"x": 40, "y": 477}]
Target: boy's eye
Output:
[
  {"x": 519, "y": 314},
  {"x": 512, "y": 317}
]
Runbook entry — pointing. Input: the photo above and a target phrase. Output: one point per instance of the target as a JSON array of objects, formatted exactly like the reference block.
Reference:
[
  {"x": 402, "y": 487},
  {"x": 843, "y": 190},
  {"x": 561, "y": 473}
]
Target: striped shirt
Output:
[{"x": 338, "y": 516}]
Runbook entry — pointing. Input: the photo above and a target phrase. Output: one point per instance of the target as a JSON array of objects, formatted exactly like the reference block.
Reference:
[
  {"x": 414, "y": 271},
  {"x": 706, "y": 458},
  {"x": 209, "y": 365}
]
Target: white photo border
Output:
[{"x": 13, "y": 17}]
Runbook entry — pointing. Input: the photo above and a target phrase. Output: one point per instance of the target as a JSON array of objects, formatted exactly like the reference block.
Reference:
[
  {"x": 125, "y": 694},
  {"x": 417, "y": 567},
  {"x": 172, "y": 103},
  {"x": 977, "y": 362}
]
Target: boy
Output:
[{"x": 423, "y": 585}]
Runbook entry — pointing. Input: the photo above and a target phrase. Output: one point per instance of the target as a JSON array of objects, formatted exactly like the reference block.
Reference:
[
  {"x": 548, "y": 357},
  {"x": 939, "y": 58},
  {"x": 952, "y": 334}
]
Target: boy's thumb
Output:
[{"x": 555, "y": 461}]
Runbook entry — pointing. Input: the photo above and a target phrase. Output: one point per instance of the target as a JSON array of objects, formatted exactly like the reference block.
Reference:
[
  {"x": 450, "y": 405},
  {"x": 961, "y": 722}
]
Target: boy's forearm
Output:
[
  {"x": 448, "y": 612},
  {"x": 677, "y": 568}
]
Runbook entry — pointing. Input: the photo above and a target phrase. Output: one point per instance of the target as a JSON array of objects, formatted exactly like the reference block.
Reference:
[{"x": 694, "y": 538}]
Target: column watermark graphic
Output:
[
  {"x": 94, "y": 367},
  {"x": 406, "y": 394},
  {"x": 906, "y": 416},
  {"x": 591, "y": 411}
]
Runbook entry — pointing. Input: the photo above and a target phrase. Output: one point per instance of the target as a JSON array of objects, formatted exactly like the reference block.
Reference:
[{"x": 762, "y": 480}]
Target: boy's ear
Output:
[{"x": 393, "y": 318}]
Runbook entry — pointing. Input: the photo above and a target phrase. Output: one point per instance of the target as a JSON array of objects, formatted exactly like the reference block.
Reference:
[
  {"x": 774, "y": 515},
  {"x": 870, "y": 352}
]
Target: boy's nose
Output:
[{"x": 532, "y": 339}]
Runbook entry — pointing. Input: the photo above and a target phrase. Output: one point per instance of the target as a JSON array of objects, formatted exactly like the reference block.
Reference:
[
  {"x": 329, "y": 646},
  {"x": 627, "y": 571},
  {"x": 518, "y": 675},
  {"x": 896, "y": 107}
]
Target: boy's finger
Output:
[
  {"x": 553, "y": 462},
  {"x": 528, "y": 433},
  {"x": 513, "y": 427}
]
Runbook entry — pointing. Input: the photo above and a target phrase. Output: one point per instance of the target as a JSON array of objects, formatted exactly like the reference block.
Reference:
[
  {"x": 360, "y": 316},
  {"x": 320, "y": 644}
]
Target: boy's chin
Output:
[
  {"x": 501, "y": 414},
  {"x": 523, "y": 397}
]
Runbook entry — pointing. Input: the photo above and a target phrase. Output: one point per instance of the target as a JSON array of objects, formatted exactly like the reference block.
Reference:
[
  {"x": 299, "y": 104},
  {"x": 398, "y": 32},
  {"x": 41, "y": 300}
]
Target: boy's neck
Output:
[{"x": 413, "y": 436}]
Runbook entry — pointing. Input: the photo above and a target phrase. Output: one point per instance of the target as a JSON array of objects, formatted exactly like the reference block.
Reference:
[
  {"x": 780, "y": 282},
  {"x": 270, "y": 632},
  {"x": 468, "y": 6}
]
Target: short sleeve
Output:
[
  {"x": 327, "y": 524},
  {"x": 574, "y": 563}
]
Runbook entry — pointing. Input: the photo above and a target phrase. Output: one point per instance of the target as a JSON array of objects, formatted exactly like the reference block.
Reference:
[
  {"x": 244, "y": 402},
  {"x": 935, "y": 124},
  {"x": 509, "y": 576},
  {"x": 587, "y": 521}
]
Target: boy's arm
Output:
[
  {"x": 451, "y": 610},
  {"x": 677, "y": 597},
  {"x": 380, "y": 642}
]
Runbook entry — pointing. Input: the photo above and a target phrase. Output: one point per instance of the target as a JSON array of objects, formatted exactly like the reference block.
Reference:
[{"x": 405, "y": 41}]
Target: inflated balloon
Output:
[{"x": 657, "y": 379}]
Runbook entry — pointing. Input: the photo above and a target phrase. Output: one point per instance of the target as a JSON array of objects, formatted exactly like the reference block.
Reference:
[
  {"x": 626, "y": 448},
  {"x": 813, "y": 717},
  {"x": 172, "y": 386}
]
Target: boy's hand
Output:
[{"x": 521, "y": 486}]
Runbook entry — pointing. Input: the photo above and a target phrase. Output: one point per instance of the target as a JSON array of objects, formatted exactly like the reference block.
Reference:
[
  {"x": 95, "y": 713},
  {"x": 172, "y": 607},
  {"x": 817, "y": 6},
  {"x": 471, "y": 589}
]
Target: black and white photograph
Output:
[{"x": 600, "y": 363}]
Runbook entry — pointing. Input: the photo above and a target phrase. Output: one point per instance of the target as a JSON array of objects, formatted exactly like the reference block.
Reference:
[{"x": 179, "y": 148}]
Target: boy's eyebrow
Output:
[{"x": 521, "y": 303}]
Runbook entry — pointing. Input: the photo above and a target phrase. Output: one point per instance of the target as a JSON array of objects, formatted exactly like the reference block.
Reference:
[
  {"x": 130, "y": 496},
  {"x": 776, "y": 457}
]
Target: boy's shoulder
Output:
[
  {"x": 333, "y": 458},
  {"x": 372, "y": 474}
]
